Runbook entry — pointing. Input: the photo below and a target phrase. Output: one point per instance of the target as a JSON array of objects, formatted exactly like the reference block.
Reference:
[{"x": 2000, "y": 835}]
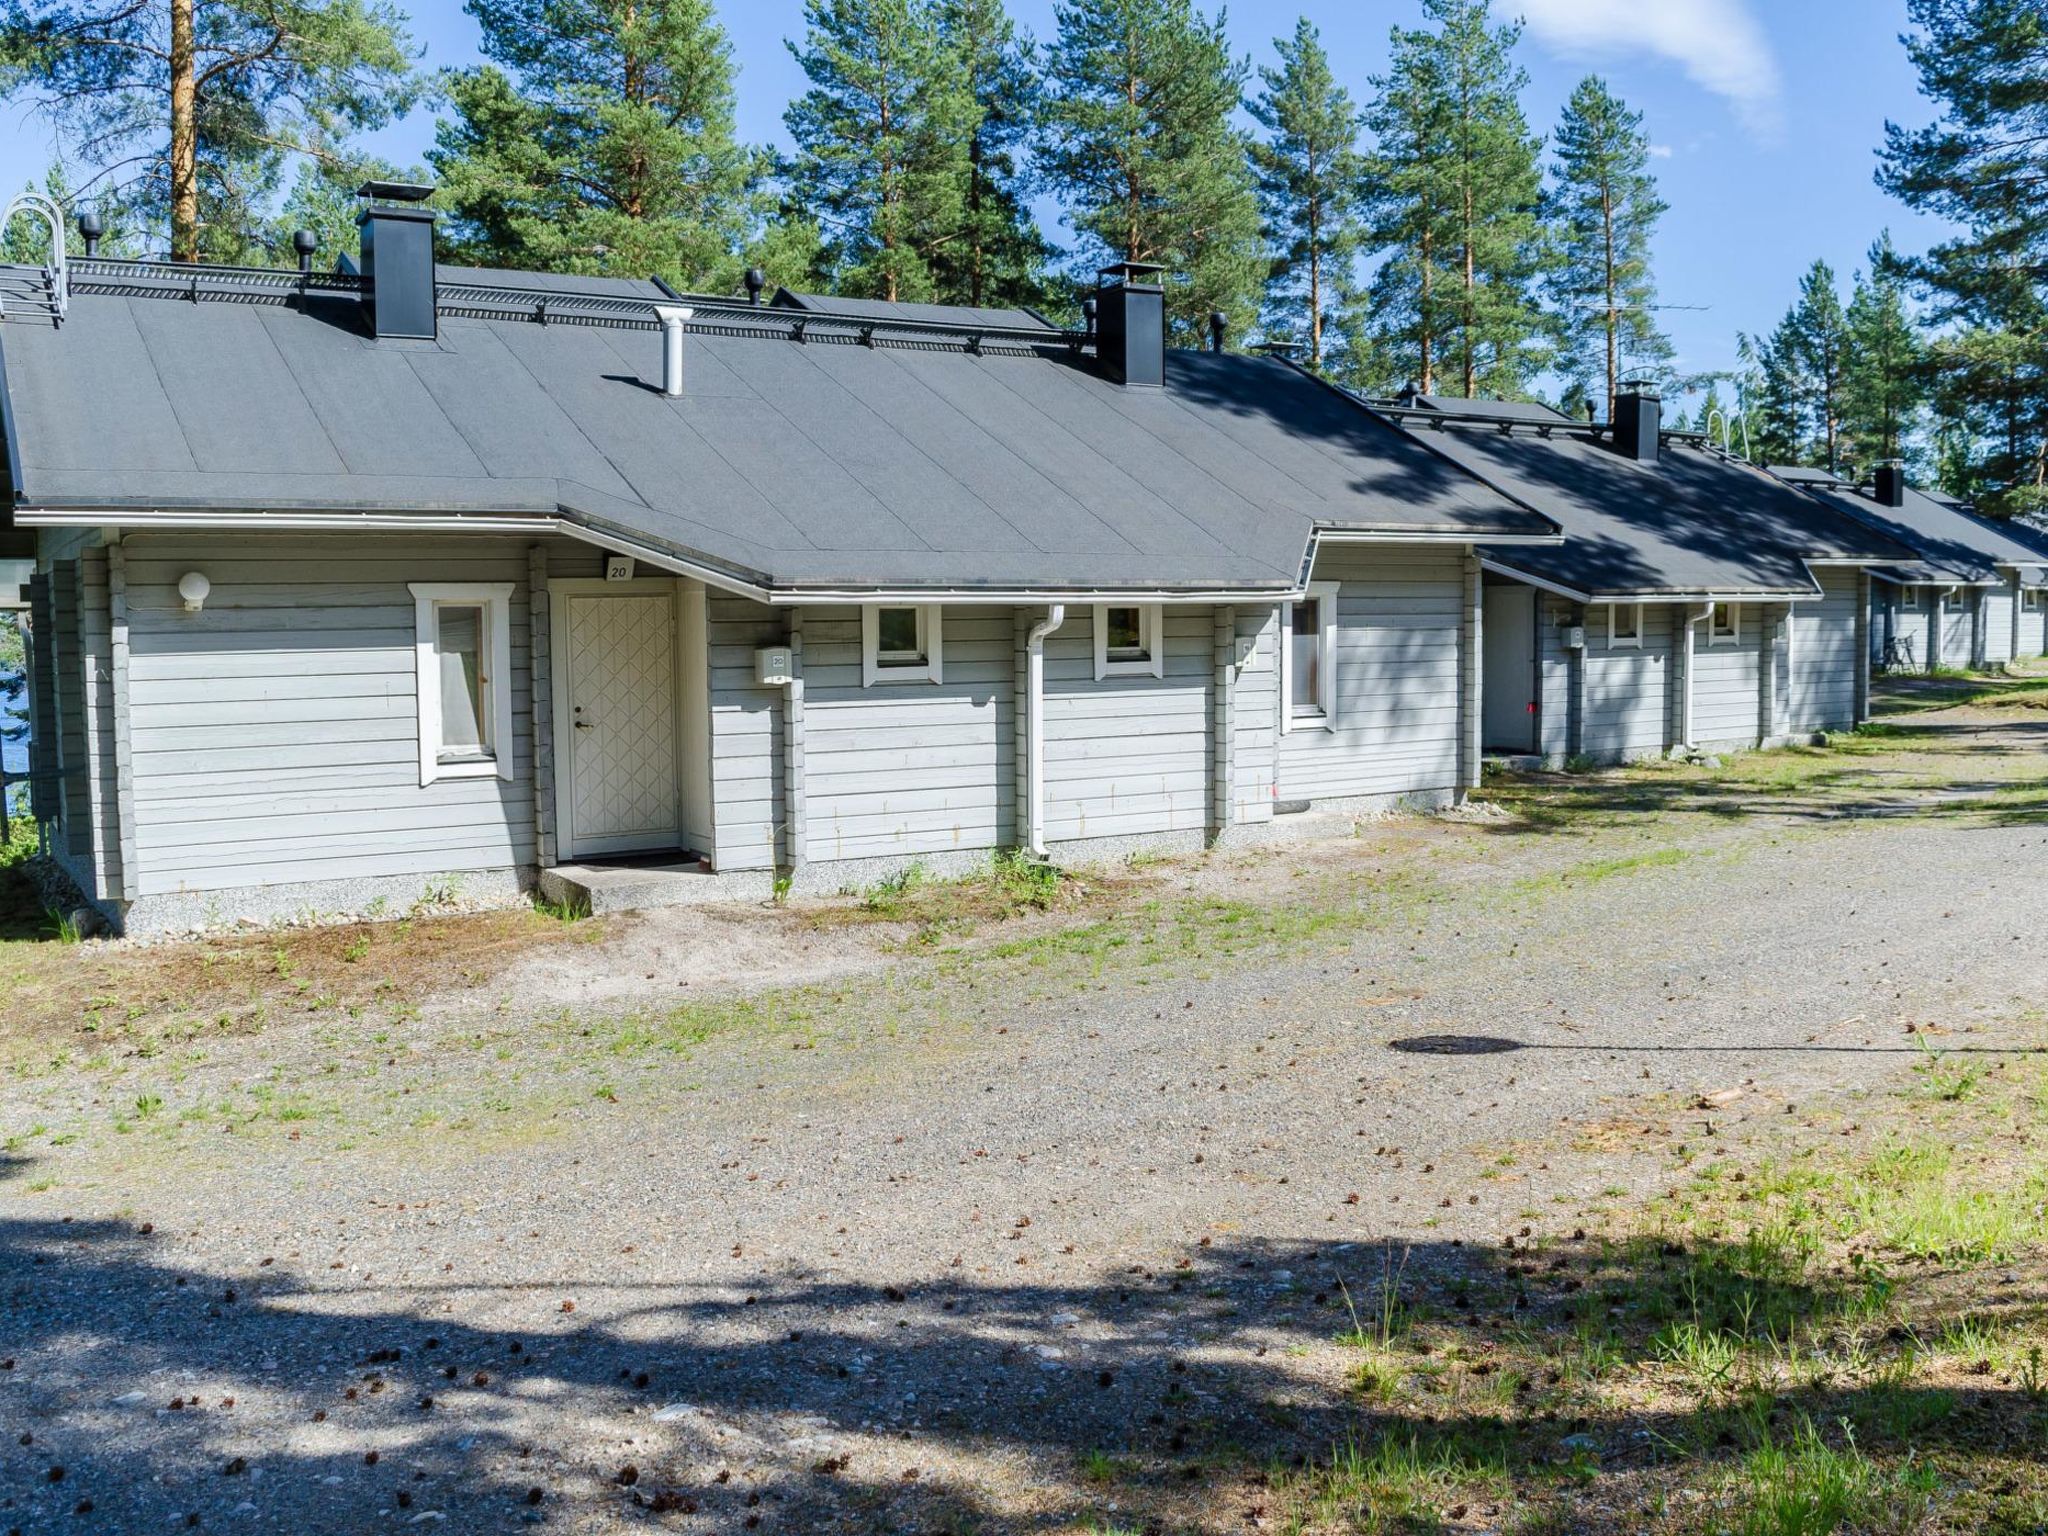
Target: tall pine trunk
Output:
[
  {"x": 1613, "y": 313},
  {"x": 184, "y": 136}
]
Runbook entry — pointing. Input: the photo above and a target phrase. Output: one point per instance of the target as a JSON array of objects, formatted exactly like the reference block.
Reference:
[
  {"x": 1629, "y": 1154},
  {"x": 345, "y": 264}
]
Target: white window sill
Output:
[
  {"x": 1315, "y": 722},
  {"x": 1134, "y": 667},
  {"x": 468, "y": 768}
]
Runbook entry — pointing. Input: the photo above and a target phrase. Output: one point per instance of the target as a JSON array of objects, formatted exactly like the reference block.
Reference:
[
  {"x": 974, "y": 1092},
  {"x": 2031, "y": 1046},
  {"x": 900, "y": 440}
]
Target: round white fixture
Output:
[{"x": 193, "y": 587}]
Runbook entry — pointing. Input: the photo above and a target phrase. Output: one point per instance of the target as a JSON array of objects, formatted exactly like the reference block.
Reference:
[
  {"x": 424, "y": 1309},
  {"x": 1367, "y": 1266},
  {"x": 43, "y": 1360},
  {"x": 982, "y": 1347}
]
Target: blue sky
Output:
[{"x": 1766, "y": 115}]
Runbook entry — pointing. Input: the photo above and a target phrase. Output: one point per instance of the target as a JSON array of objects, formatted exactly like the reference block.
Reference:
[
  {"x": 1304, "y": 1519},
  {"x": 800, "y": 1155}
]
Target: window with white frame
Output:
[
  {"x": 1127, "y": 640},
  {"x": 462, "y": 650},
  {"x": 2033, "y": 599},
  {"x": 1624, "y": 624},
  {"x": 1308, "y": 659},
  {"x": 1725, "y": 627},
  {"x": 900, "y": 643}
]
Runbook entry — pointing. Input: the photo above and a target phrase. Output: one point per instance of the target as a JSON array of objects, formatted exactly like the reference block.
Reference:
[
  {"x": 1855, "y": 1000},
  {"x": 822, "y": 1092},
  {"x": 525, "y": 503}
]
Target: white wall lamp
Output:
[{"x": 193, "y": 587}]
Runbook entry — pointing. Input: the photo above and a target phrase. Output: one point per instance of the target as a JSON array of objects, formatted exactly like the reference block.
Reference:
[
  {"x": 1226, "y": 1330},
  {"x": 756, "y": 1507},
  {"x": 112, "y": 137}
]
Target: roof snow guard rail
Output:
[
  {"x": 541, "y": 305},
  {"x": 55, "y": 300}
]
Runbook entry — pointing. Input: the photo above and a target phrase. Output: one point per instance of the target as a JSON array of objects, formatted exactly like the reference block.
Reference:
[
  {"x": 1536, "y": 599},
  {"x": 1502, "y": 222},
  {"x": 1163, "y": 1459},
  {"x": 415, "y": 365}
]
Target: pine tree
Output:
[
  {"x": 882, "y": 142},
  {"x": 1309, "y": 171},
  {"x": 1982, "y": 167},
  {"x": 1771, "y": 386},
  {"x": 1884, "y": 382},
  {"x": 1819, "y": 341},
  {"x": 1455, "y": 203},
  {"x": 998, "y": 257},
  {"x": 191, "y": 107},
  {"x": 1138, "y": 143},
  {"x": 1607, "y": 208},
  {"x": 599, "y": 138}
]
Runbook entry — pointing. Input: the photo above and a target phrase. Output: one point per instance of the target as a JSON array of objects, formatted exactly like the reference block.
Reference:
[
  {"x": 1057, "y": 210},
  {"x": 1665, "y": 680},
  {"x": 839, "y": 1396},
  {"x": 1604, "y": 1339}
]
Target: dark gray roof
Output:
[
  {"x": 1952, "y": 543},
  {"x": 1693, "y": 521},
  {"x": 916, "y": 314},
  {"x": 1497, "y": 410},
  {"x": 793, "y": 466}
]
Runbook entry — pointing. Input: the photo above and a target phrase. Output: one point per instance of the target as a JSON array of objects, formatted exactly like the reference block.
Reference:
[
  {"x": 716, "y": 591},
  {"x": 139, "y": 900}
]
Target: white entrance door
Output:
[{"x": 619, "y": 677}]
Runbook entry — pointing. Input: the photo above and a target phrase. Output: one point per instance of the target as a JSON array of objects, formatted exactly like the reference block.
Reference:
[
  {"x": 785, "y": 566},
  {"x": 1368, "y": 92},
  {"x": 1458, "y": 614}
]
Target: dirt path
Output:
[{"x": 1054, "y": 1228}]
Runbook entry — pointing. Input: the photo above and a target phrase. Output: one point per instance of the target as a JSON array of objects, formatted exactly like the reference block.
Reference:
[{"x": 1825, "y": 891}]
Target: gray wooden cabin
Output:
[
  {"x": 1697, "y": 603},
  {"x": 1975, "y": 593},
  {"x": 357, "y": 589}
]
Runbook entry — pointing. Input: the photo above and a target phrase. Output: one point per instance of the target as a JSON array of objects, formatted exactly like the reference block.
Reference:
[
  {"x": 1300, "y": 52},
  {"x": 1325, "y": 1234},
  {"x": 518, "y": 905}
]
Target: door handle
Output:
[{"x": 582, "y": 725}]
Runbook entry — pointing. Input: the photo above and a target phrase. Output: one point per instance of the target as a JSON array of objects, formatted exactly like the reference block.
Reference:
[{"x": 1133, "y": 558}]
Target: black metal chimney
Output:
[
  {"x": 1130, "y": 324},
  {"x": 91, "y": 226},
  {"x": 1638, "y": 425},
  {"x": 398, "y": 258},
  {"x": 305, "y": 242},
  {"x": 1218, "y": 324},
  {"x": 1891, "y": 484},
  {"x": 756, "y": 280}
]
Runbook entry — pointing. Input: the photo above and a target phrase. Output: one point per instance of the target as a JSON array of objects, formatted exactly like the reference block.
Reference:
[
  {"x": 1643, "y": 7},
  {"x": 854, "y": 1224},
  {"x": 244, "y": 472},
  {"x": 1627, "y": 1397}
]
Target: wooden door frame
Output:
[{"x": 560, "y": 590}]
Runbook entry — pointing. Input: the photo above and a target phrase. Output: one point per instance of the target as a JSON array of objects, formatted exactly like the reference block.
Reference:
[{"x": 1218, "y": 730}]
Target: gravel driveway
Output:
[{"x": 900, "y": 1251}]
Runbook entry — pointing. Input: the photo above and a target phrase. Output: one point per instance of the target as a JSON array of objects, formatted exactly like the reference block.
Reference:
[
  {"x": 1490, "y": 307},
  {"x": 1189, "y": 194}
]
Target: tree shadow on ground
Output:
[{"x": 803, "y": 1402}]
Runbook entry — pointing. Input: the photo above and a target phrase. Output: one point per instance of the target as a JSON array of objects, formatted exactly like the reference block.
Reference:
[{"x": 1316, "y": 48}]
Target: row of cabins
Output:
[{"x": 404, "y": 581}]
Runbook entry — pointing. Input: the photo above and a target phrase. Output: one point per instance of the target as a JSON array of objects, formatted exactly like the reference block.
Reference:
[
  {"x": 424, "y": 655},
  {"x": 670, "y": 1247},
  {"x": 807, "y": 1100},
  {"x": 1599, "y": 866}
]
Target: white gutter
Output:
[
  {"x": 1034, "y": 727},
  {"x": 1596, "y": 599}
]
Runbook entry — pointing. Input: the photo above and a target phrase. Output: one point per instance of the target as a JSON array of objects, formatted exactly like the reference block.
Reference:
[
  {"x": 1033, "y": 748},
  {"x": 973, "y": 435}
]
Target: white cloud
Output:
[
  {"x": 1718, "y": 43},
  {"x": 1661, "y": 151}
]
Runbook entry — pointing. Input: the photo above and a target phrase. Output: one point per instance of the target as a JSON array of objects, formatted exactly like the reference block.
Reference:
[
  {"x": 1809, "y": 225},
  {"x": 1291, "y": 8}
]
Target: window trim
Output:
[
  {"x": 494, "y": 599},
  {"x": 1734, "y": 634},
  {"x": 1616, "y": 640},
  {"x": 1150, "y": 628},
  {"x": 1324, "y": 717},
  {"x": 2031, "y": 599},
  {"x": 874, "y": 671}
]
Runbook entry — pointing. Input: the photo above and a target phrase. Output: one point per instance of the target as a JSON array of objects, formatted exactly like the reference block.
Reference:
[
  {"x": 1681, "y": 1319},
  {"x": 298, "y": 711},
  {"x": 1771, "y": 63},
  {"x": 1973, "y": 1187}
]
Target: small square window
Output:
[
  {"x": 900, "y": 643},
  {"x": 463, "y": 649},
  {"x": 1127, "y": 640},
  {"x": 1625, "y": 624},
  {"x": 1308, "y": 658},
  {"x": 896, "y": 638},
  {"x": 1725, "y": 627}
]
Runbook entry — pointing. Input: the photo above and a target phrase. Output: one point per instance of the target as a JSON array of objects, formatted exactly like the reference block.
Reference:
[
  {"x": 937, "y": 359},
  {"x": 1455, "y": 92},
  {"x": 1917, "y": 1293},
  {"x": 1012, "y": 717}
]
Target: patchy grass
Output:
[
  {"x": 1013, "y": 884},
  {"x": 1813, "y": 1335},
  {"x": 144, "y": 999}
]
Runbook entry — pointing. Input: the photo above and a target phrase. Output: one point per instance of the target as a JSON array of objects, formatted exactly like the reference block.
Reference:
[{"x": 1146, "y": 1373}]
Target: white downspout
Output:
[
  {"x": 1034, "y": 727},
  {"x": 1694, "y": 617}
]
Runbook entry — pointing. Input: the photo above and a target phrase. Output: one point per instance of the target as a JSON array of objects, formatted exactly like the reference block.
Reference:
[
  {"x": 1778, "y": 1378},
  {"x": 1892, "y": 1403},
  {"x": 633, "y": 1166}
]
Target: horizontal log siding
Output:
[
  {"x": 746, "y": 732},
  {"x": 1400, "y": 612},
  {"x": 1255, "y": 718},
  {"x": 2033, "y": 637},
  {"x": 96, "y": 645},
  {"x": 275, "y": 735},
  {"x": 1127, "y": 756},
  {"x": 1726, "y": 679},
  {"x": 1956, "y": 628},
  {"x": 2001, "y": 629},
  {"x": 1554, "y": 662},
  {"x": 909, "y": 768},
  {"x": 1628, "y": 688},
  {"x": 1821, "y": 693}
]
